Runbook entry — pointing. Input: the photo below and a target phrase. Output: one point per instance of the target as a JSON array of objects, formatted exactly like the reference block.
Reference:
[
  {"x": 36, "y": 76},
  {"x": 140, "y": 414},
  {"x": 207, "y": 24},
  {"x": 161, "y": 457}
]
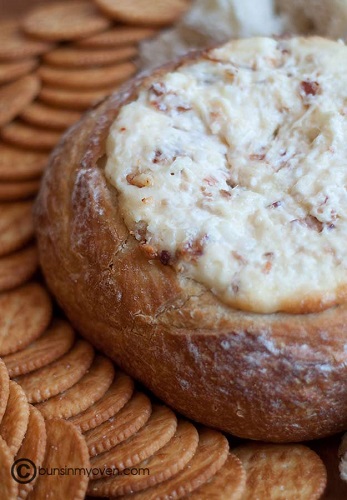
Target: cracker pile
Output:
[{"x": 63, "y": 405}]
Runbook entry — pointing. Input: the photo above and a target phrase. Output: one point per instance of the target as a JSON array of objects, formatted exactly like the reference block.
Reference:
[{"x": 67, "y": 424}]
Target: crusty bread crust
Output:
[{"x": 277, "y": 377}]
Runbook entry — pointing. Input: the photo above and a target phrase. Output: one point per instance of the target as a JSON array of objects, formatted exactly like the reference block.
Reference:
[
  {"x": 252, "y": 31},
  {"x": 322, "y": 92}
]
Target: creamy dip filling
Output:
[{"x": 233, "y": 169}]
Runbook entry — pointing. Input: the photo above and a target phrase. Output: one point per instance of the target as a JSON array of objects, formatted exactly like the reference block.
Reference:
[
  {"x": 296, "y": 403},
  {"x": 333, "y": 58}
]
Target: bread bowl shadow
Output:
[{"x": 277, "y": 377}]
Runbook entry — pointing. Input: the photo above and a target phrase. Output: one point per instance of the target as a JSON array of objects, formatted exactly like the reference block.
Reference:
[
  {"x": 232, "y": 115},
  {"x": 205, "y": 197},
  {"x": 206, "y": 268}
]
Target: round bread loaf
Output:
[{"x": 193, "y": 228}]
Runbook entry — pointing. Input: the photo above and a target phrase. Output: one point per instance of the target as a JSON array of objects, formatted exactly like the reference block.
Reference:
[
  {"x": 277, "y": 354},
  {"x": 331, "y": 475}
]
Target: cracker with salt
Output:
[
  {"x": 8, "y": 487},
  {"x": 144, "y": 12},
  {"x": 41, "y": 115},
  {"x": 108, "y": 406},
  {"x": 14, "y": 423},
  {"x": 54, "y": 343},
  {"x": 158, "y": 431},
  {"x": 23, "y": 135},
  {"x": 124, "y": 424},
  {"x": 14, "y": 44},
  {"x": 118, "y": 36},
  {"x": 58, "y": 376},
  {"x": 64, "y": 20},
  {"x": 17, "y": 268},
  {"x": 66, "y": 449},
  {"x": 166, "y": 463},
  {"x": 16, "y": 226},
  {"x": 92, "y": 386},
  {"x": 282, "y": 471},
  {"x": 33, "y": 447},
  {"x": 87, "y": 78},
  {"x": 24, "y": 315},
  {"x": 10, "y": 71},
  {"x": 71, "y": 57},
  {"x": 4, "y": 388},
  {"x": 211, "y": 454},
  {"x": 228, "y": 484},
  {"x": 17, "y": 164},
  {"x": 15, "y": 96}
]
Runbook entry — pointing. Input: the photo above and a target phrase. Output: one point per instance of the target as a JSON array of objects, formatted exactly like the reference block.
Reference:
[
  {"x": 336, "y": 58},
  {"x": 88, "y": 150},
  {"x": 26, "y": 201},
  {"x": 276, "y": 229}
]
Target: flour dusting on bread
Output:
[{"x": 232, "y": 169}]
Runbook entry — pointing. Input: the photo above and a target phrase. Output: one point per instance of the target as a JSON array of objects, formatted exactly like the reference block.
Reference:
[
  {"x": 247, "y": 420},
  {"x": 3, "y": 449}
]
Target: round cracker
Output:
[
  {"x": 67, "y": 20},
  {"x": 167, "y": 462},
  {"x": 17, "y": 268},
  {"x": 53, "y": 344},
  {"x": 59, "y": 375},
  {"x": 10, "y": 71},
  {"x": 4, "y": 388},
  {"x": 116, "y": 37},
  {"x": 73, "y": 99},
  {"x": 90, "y": 78},
  {"x": 228, "y": 484},
  {"x": 41, "y": 115},
  {"x": 158, "y": 431},
  {"x": 71, "y": 57},
  {"x": 14, "y": 423},
  {"x": 288, "y": 471},
  {"x": 14, "y": 191},
  {"x": 15, "y": 96},
  {"x": 111, "y": 403},
  {"x": 20, "y": 164},
  {"x": 66, "y": 448},
  {"x": 8, "y": 487},
  {"x": 144, "y": 12},
  {"x": 92, "y": 386},
  {"x": 14, "y": 44},
  {"x": 129, "y": 420},
  {"x": 16, "y": 226},
  {"x": 211, "y": 454},
  {"x": 33, "y": 447},
  {"x": 24, "y": 315},
  {"x": 23, "y": 135}
]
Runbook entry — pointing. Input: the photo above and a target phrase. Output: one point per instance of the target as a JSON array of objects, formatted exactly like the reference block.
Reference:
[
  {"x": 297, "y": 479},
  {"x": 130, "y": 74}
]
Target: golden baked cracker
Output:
[
  {"x": 17, "y": 268},
  {"x": 23, "y": 135},
  {"x": 58, "y": 376},
  {"x": 116, "y": 37},
  {"x": 20, "y": 164},
  {"x": 211, "y": 454},
  {"x": 73, "y": 99},
  {"x": 4, "y": 388},
  {"x": 144, "y": 12},
  {"x": 66, "y": 449},
  {"x": 33, "y": 447},
  {"x": 24, "y": 315},
  {"x": 111, "y": 403},
  {"x": 21, "y": 190},
  {"x": 164, "y": 464},
  {"x": 8, "y": 487},
  {"x": 41, "y": 115},
  {"x": 158, "y": 431},
  {"x": 283, "y": 471},
  {"x": 87, "y": 78},
  {"x": 64, "y": 20},
  {"x": 14, "y": 423},
  {"x": 129, "y": 420},
  {"x": 15, "y": 96},
  {"x": 54, "y": 343},
  {"x": 71, "y": 57},
  {"x": 16, "y": 226},
  {"x": 228, "y": 484},
  {"x": 14, "y": 44},
  {"x": 10, "y": 71},
  {"x": 92, "y": 386}
]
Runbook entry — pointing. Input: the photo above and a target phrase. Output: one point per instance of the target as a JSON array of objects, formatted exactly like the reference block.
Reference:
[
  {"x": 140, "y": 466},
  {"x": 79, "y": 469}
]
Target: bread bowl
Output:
[{"x": 270, "y": 365}]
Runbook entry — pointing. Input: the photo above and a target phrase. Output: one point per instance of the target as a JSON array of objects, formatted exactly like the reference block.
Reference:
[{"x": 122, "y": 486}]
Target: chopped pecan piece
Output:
[
  {"x": 165, "y": 257},
  {"x": 139, "y": 179},
  {"x": 309, "y": 88},
  {"x": 192, "y": 249}
]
